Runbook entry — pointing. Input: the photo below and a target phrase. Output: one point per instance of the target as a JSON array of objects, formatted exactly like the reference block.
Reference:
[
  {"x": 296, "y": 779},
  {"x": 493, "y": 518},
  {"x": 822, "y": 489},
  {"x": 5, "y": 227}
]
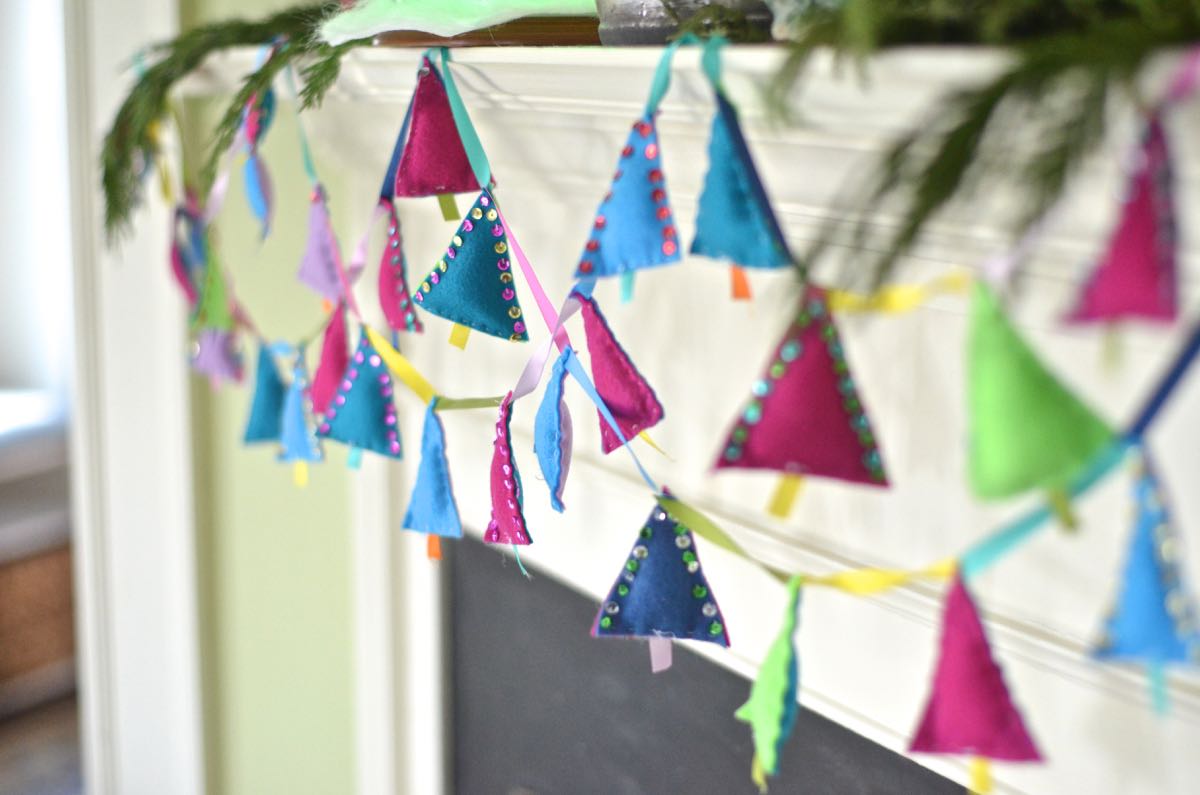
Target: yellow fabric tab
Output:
[
  {"x": 1060, "y": 505},
  {"x": 459, "y": 335},
  {"x": 865, "y": 582},
  {"x": 451, "y": 404},
  {"x": 757, "y": 775},
  {"x": 645, "y": 437},
  {"x": 981, "y": 776},
  {"x": 401, "y": 367},
  {"x": 898, "y": 298},
  {"x": 448, "y": 207},
  {"x": 784, "y": 498},
  {"x": 300, "y": 473}
]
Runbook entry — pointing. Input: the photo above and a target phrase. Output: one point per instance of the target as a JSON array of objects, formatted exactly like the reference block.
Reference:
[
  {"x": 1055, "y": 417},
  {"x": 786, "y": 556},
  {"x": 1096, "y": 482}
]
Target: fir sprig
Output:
[{"x": 130, "y": 143}]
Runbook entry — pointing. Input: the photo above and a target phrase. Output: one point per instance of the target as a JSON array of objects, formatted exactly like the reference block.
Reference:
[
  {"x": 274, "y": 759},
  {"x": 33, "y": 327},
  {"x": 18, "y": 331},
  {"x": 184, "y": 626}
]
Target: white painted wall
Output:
[{"x": 553, "y": 122}]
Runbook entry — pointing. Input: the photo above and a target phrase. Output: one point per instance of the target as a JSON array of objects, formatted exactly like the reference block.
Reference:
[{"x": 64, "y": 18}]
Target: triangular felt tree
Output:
[
  {"x": 805, "y": 416},
  {"x": 394, "y": 297},
  {"x": 627, "y": 394},
  {"x": 266, "y": 410},
  {"x": 472, "y": 284},
  {"x": 1154, "y": 619},
  {"x": 298, "y": 442},
  {"x": 552, "y": 432},
  {"x": 321, "y": 266},
  {"x": 1026, "y": 430},
  {"x": 335, "y": 360},
  {"x": 662, "y": 591},
  {"x": 215, "y": 353},
  {"x": 969, "y": 710},
  {"x": 772, "y": 708},
  {"x": 634, "y": 227},
  {"x": 434, "y": 160},
  {"x": 362, "y": 413},
  {"x": 1136, "y": 277},
  {"x": 735, "y": 220},
  {"x": 507, "y": 525},
  {"x": 431, "y": 507}
]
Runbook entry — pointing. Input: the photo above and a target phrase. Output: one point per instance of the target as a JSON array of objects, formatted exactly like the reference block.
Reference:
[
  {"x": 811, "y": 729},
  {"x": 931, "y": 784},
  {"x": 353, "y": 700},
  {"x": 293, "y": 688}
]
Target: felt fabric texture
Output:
[
  {"x": 969, "y": 710},
  {"x": 297, "y": 440},
  {"x": 362, "y": 413},
  {"x": 434, "y": 160},
  {"x": 661, "y": 590},
  {"x": 735, "y": 220},
  {"x": 1137, "y": 275},
  {"x": 1026, "y": 429},
  {"x": 215, "y": 310},
  {"x": 266, "y": 409},
  {"x": 507, "y": 525},
  {"x": 553, "y": 433},
  {"x": 772, "y": 708},
  {"x": 1154, "y": 618},
  {"x": 627, "y": 394},
  {"x": 334, "y": 361},
  {"x": 431, "y": 506},
  {"x": 216, "y": 356},
  {"x": 394, "y": 297},
  {"x": 319, "y": 266},
  {"x": 181, "y": 273},
  {"x": 634, "y": 226},
  {"x": 259, "y": 192},
  {"x": 805, "y": 415},
  {"x": 472, "y": 284},
  {"x": 443, "y": 18}
]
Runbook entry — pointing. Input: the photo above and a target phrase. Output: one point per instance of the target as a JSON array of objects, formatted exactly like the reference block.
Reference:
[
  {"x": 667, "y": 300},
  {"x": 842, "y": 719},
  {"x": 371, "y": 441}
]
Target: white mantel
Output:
[{"x": 552, "y": 121}]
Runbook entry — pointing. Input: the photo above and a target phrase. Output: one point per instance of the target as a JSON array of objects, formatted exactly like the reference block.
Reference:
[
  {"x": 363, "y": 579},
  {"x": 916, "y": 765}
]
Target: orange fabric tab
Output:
[
  {"x": 739, "y": 283},
  {"x": 433, "y": 547}
]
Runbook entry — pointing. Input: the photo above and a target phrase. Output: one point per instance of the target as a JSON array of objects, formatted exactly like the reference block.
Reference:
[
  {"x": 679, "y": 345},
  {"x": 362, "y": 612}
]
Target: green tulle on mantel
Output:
[{"x": 442, "y": 18}]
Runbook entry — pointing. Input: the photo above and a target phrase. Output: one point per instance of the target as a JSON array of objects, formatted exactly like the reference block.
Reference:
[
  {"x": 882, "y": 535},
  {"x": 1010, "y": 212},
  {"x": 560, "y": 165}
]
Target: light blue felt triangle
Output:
[
  {"x": 362, "y": 414},
  {"x": 431, "y": 507},
  {"x": 266, "y": 409},
  {"x": 735, "y": 220},
  {"x": 472, "y": 283},
  {"x": 258, "y": 190},
  {"x": 1154, "y": 620},
  {"x": 552, "y": 432},
  {"x": 662, "y": 590},
  {"x": 634, "y": 226},
  {"x": 296, "y": 436}
]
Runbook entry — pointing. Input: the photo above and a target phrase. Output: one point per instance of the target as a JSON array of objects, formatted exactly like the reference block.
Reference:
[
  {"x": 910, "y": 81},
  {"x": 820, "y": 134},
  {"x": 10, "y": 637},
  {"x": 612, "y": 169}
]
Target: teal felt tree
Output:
[
  {"x": 266, "y": 410},
  {"x": 363, "y": 414},
  {"x": 472, "y": 284}
]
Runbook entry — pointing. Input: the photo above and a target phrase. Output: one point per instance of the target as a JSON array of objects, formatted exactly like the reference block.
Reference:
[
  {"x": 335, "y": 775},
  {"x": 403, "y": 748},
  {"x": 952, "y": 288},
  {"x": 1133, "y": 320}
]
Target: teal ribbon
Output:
[
  {"x": 662, "y": 75},
  {"x": 306, "y": 157},
  {"x": 462, "y": 120},
  {"x": 710, "y": 61}
]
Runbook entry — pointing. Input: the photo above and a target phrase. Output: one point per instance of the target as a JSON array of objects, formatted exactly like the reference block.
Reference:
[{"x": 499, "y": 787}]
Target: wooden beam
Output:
[{"x": 528, "y": 32}]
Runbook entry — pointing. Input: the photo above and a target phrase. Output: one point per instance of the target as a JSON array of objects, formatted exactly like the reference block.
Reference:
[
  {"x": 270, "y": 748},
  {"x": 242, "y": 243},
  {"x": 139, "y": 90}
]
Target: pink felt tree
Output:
[
  {"x": 335, "y": 358},
  {"x": 507, "y": 525},
  {"x": 1136, "y": 277},
  {"x": 434, "y": 161}
]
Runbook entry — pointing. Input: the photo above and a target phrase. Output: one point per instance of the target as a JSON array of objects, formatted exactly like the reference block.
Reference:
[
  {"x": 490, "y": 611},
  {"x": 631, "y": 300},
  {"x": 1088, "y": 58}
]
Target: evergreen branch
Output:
[
  {"x": 320, "y": 75},
  {"x": 130, "y": 143}
]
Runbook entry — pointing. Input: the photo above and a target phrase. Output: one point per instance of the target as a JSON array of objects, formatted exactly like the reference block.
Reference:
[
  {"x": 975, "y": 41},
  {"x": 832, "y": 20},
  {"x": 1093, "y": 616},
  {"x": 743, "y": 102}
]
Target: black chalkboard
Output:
[{"x": 542, "y": 708}]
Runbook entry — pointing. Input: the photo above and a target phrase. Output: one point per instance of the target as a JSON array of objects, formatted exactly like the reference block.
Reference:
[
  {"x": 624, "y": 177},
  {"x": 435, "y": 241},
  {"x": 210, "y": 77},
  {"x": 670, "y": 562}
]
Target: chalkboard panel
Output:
[{"x": 542, "y": 708}]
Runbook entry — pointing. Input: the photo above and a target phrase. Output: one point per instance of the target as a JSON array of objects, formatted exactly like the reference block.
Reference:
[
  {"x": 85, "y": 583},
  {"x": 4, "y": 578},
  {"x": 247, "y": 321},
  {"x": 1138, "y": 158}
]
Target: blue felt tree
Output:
[
  {"x": 552, "y": 435},
  {"x": 298, "y": 443},
  {"x": 431, "y": 507},
  {"x": 1154, "y": 619},
  {"x": 266, "y": 409},
  {"x": 735, "y": 221},
  {"x": 634, "y": 226},
  {"x": 363, "y": 414},
  {"x": 662, "y": 591},
  {"x": 472, "y": 284}
]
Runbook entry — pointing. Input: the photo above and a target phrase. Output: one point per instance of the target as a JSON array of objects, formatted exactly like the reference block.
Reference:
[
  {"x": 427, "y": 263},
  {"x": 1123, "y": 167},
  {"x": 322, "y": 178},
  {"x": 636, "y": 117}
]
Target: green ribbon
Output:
[{"x": 466, "y": 130}]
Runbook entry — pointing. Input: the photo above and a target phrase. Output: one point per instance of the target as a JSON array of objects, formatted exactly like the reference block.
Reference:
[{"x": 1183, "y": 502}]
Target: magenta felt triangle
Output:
[
  {"x": 335, "y": 358},
  {"x": 969, "y": 709},
  {"x": 434, "y": 160},
  {"x": 1136, "y": 278},
  {"x": 626, "y": 393},
  {"x": 805, "y": 416},
  {"x": 507, "y": 525},
  {"x": 394, "y": 297},
  {"x": 319, "y": 267}
]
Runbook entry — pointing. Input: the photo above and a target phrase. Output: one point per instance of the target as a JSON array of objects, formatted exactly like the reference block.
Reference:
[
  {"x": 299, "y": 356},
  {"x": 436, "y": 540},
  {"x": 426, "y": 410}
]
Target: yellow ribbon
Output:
[
  {"x": 784, "y": 498},
  {"x": 645, "y": 437},
  {"x": 898, "y": 298},
  {"x": 401, "y": 367},
  {"x": 459, "y": 335},
  {"x": 866, "y": 582},
  {"x": 981, "y": 776},
  {"x": 300, "y": 473}
]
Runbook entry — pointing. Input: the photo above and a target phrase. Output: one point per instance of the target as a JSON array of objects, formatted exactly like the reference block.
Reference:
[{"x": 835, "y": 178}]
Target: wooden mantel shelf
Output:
[{"x": 528, "y": 32}]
